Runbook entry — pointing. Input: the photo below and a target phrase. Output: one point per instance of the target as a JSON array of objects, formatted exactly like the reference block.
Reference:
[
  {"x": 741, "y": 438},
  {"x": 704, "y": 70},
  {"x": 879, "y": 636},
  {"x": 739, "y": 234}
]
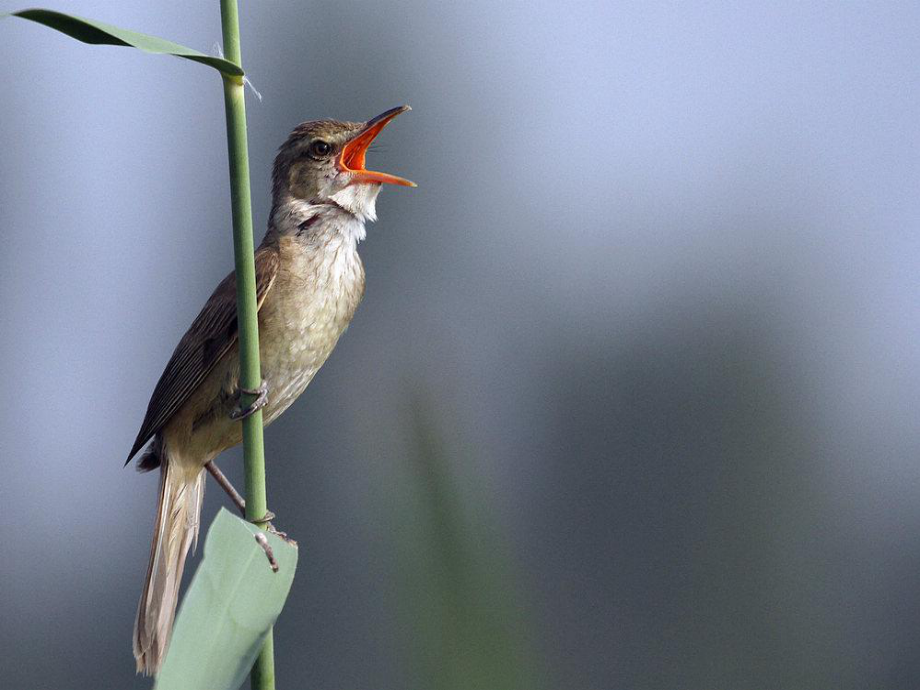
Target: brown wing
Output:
[{"x": 208, "y": 339}]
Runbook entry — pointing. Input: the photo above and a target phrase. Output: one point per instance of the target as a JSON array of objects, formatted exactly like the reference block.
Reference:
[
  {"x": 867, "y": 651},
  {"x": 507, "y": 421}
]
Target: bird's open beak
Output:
[{"x": 352, "y": 158}]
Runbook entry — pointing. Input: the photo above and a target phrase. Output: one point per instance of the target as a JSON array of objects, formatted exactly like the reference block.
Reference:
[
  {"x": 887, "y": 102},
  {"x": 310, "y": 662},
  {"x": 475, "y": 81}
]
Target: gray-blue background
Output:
[{"x": 657, "y": 291}]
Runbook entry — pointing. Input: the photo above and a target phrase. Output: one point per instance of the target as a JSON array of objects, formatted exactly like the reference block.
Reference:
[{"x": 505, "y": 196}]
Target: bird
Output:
[{"x": 309, "y": 282}]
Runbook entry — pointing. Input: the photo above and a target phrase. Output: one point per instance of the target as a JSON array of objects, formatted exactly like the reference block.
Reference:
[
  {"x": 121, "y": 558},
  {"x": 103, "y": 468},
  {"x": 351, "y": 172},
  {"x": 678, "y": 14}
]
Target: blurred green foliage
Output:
[{"x": 464, "y": 627}]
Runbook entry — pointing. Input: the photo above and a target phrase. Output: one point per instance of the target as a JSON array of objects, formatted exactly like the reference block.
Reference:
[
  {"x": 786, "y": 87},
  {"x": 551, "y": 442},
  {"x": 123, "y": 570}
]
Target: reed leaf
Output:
[
  {"x": 229, "y": 609},
  {"x": 98, "y": 33}
]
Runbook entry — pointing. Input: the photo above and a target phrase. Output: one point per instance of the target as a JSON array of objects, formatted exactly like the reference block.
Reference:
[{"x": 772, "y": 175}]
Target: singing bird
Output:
[{"x": 309, "y": 281}]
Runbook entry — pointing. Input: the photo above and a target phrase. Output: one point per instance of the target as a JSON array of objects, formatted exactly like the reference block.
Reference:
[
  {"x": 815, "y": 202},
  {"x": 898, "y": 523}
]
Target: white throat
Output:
[
  {"x": 345, "y": 217},
  {"x": 359, "y": 200}
]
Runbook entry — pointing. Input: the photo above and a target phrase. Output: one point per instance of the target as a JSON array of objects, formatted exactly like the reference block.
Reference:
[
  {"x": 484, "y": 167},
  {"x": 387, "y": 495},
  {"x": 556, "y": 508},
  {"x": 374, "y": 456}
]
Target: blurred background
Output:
[{"x": 632, "y": 400}]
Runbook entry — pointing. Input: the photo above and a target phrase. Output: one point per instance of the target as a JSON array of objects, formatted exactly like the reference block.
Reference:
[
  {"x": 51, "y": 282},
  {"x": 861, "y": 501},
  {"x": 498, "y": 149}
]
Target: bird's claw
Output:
[
  {"x": 280, "y": 534},
  {"x": 266, "y": 547},
  {"x": 265, "y": 519},
  {"x": 239, "y": 412}
]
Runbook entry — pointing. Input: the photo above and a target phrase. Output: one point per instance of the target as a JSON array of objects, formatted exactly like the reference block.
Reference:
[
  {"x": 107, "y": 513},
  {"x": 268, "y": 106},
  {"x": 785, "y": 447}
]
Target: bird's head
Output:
[{"x": 323, "y": 161}]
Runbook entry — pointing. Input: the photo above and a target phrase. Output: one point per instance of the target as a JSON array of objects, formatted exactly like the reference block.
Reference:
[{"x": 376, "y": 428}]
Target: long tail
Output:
[{"x": 176, "y": 529}]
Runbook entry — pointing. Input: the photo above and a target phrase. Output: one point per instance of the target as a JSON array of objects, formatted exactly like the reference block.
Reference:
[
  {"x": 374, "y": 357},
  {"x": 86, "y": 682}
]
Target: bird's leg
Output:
[
  {"x": 225, "y": 484},
  {"x": 240, "y": 502},
  {"x": 239, "y": 412},
  {"x": 234, "y": 495}
]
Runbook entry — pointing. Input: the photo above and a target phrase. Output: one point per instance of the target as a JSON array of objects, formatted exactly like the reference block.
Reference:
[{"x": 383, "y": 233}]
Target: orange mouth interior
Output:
[{"x": 354, "y": 152}]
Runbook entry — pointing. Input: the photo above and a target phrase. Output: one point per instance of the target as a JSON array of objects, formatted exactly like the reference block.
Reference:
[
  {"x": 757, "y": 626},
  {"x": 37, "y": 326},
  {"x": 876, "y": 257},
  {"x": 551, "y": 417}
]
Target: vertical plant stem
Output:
[
  {"x": 247, "y": 308},
  {"x": 263, "y": 671}
]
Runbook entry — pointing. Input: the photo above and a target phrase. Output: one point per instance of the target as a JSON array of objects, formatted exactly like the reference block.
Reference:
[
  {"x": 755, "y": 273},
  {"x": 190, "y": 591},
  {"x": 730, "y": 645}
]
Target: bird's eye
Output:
[{"x": 320, "y": 148}]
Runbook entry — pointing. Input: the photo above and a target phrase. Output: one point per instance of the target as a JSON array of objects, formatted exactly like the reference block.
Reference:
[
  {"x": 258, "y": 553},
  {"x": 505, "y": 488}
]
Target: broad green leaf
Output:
[
  {"x": 229, "y": 608},
  {"x": 91, "y": 31}
]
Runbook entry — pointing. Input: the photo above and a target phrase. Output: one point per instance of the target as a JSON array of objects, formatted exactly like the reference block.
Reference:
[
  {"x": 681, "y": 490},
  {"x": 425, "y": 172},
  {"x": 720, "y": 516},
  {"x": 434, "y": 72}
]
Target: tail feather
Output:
[{"x": 175, "y": 531}]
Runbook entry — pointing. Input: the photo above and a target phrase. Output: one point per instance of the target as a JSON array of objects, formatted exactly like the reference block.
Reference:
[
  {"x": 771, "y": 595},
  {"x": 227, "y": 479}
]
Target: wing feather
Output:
[{"x": 209, "y": 338}]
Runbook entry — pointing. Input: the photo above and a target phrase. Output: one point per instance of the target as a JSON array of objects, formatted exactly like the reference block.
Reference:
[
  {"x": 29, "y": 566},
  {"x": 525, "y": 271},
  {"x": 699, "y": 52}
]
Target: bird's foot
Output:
[
  {"x": 283, "y": 535},
  {"x": 265, "y": 519},
  {"x": 266, "y": 547},
  {"x": 241, "y": 504},
  {"x": 239, "y": 412}
]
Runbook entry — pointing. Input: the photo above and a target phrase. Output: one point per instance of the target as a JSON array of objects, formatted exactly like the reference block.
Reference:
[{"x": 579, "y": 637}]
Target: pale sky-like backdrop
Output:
[{"x": 657, "y": 294}]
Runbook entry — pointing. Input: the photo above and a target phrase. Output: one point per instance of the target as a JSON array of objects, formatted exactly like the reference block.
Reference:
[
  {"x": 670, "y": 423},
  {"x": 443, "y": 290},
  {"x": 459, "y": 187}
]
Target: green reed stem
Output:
[{"x": 263, "y": 671}]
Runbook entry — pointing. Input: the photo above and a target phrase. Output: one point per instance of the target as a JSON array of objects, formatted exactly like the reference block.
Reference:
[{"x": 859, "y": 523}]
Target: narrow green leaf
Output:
[
  {"x": 464, "y": 617},
  {"x": 98, "y": 33},
  {"x": 229, "y": 608}
]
